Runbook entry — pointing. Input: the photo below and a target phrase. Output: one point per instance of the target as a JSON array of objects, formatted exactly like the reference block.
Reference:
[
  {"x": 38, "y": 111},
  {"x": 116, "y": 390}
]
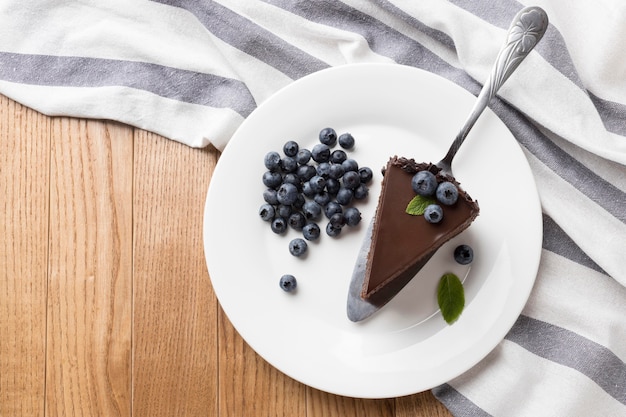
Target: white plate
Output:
[{"x": 406, "y": 347}]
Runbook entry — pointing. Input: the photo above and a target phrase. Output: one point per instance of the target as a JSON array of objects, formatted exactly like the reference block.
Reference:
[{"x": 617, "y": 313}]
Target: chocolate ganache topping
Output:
[{"x": 403, "y": 243}]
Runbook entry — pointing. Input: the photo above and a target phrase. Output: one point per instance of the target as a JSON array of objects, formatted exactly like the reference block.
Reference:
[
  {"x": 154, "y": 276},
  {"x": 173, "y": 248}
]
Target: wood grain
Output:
[
  {"x": 89, "y": 283},
  {"x": 249, "y": 386},
  {"x": 423, "y": 404},
  {"x": 106, "y": 306},
  {"x": 322, "y": 404},
  {"x": 175, "y": 310},
  {"x": 24, "y": 170}
]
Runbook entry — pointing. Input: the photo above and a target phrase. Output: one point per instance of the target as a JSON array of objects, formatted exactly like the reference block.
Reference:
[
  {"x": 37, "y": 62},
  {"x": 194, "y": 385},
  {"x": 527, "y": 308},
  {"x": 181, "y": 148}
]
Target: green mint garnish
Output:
[
  {"x": 418, "y": 204},
  {"x": 451, "y": 297}
]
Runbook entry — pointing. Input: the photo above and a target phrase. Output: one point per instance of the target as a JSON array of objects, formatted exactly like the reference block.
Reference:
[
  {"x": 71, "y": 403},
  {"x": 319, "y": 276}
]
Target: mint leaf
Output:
[
  {"x": 451, "y": 297},
  {"x": 418, "y": 204}
]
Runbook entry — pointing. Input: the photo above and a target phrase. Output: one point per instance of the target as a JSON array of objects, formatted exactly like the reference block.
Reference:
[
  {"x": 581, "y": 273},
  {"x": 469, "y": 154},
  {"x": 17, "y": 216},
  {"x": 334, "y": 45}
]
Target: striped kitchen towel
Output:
[{"x": 193, "y": 70}]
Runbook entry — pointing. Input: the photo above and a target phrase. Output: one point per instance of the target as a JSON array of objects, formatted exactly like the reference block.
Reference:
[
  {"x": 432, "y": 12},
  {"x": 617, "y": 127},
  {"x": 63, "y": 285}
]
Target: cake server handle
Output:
[{"x": 527, "y": 28}]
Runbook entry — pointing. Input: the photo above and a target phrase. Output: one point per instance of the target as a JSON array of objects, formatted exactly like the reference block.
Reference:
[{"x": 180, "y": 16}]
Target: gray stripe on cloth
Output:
[
  {"x": 71, "y": 71},
  {"x": 250, "y": 38},
  {"x": 557, "y": 241},
  {"x": 381, "y": 38},
  {"x": 570, "y": 349},
  {"x": 554, "y": 50},
  {"x": 457, "y": 403},
  {"x": 404, "y": 50},
  {"x": 596, "y": 188},
  {"x": 613, "y": 114},
  {"x": 438, "y": 35}
]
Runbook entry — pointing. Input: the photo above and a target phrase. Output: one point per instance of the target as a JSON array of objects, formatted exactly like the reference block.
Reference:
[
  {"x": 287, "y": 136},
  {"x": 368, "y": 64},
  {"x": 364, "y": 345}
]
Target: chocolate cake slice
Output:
[{"x": 402, "y": 243}]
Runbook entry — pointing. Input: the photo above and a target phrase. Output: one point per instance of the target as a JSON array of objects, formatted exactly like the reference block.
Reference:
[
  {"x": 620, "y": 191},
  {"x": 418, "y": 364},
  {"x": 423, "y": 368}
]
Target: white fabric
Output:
[
  {"x": 513, "y": 381},
  {"x": 193, "y": 70}
]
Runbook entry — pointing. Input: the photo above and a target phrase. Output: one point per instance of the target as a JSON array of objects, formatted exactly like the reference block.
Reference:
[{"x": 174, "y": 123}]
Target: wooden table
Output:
[{"x": 106, "y": 307}]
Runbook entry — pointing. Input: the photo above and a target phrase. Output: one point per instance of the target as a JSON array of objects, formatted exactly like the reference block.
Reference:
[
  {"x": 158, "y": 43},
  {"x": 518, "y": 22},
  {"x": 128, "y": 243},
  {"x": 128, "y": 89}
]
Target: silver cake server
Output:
[{"x": 526, "y": 30}]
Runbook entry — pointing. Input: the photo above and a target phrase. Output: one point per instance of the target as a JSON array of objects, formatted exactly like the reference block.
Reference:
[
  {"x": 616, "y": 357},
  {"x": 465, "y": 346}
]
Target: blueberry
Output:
[
  {"x": 287, "y": 194},
  {"x": 433, "y": 213},
  {"x": 298, "y": 247},
  {"x": 308, "y": 190},
  {"x": 424, "y": 183},
  {"x": 332, "y": 208},
  {"x": 332, "y": 186},
  {"x": 288, "y": 283},
  {"x": 269, "y": 196},
  {"x": 346, "y": 141},
  {"x": 352, "y": 216},
  {"x": 464, "y": 254},
  {"x": 306, "y": 172},
  {"x": 272, "y": 179},
  {"x": 366, "y": 174},
  {"x": 336, "y": 171},
  {"x": 338, "y": 156},
  {"x": 351, "y": 179},
  {"x": 303, "y": 156},
  {"x": 299, "y": 201},
  {"x": 323, "y": 169},
  {"x": 361, "y": 192},
  {"x": 283, "y": 211},
  {"x": 350, "y": 165},
  {"x": 267, "y": 212},
  {"x": 322, "y": 198},
  {"x": 311, "y": 231},
  {"x": 290, "y": 148},
  {"x": 292, "y": 178},
  {"x": 337, "y": 220},
  {"x": 296, "y": 221},
  {"x": 344, "y": 196},
  {"x": 328, "y": 136},
  {"x": 332, "y": 230},
  {"x": 320, "y": 153},
  {"x": 289, "y": 164},
  {"x": 447, "y": 193},
  {"x": 311, "y": 210},
  {"x": 279, "y": 225},
  {"x": 317, "y": 183},
  {"x": 272, "y": 161}
]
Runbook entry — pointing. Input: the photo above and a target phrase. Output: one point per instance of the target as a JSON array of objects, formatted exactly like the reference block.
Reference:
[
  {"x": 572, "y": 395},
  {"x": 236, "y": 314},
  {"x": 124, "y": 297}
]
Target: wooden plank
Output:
[
  {"x": 423, "y": 404},
  {"x": 24, "y": 200},
  {"x": 89, "y": 284},
  {"x": 322, "y": 404},
  {"x": 175, "y": 310},
  {"x": 251, "y": 387}
]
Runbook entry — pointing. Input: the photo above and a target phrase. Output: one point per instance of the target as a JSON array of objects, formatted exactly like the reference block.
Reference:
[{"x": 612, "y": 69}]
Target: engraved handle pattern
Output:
[{"x": 527, "y": 28}]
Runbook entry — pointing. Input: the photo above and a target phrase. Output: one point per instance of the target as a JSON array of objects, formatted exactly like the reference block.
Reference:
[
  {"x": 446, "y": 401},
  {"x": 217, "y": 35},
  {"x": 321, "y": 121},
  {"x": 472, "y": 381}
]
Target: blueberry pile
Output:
[
  {"x": 424, "y": 183},
  {"x": 313, "y": 190}
]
